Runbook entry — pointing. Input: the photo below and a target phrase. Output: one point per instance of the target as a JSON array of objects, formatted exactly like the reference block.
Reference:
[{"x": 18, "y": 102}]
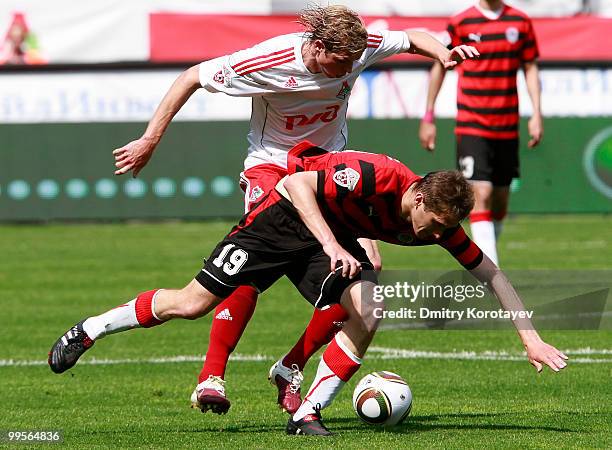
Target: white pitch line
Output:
[
  {"x": 374, "y": 353},
  {"x": 161, "y": 360},
  {"x": 488, "y": 355}
]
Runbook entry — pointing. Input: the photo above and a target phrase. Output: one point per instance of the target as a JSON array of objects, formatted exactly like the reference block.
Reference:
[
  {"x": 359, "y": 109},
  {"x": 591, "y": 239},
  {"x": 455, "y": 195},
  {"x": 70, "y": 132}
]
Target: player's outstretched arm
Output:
[
  {"x": 539, "y": 352},
  {"x": 425, "y": 44},
  {"x": 302, "y": 188},
  {"x": 135, "y": 155}
]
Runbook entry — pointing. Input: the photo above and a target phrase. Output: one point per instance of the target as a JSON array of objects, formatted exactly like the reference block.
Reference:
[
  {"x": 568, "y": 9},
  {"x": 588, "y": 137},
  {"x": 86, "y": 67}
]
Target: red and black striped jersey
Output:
[
  {"x": 487, "y": 98},
  {"x": 360, "y": 195}
]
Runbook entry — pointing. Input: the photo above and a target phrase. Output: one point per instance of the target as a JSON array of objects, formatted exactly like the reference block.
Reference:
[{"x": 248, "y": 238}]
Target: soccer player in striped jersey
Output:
[
  {"x": 307, "y": 229},
  {"x": 487, "y": 126},
  {"x": 300, "y": 84}
]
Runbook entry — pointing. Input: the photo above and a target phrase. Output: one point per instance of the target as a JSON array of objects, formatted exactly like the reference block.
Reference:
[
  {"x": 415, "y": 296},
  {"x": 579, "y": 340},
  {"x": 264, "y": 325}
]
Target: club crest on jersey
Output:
[
  {"x": 344, "y": 91},
  {"x": 347, "y": 178},
  {"x": 256, "y": 192},
  {"x": 512, "y": 35},
  {"x": 291, "y": 83},
  {"x": 219, "y": 78}
]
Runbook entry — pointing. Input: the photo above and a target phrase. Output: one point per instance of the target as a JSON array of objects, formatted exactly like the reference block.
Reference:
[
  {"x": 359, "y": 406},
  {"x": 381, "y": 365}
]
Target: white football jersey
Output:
[{"x": 291, "y": 104}]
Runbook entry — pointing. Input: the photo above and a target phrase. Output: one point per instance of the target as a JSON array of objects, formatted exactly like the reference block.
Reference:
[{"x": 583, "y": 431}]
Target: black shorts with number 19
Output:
[{"x": 271, "y": 241}]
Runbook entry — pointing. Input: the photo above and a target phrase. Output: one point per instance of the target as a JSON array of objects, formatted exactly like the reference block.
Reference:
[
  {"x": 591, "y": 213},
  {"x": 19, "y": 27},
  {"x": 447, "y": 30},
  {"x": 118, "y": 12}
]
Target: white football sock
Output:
[
  {"x": 483, "y": 233},
  {"x": 118, "y": 319},
  {"x": 327, "y": 383}
]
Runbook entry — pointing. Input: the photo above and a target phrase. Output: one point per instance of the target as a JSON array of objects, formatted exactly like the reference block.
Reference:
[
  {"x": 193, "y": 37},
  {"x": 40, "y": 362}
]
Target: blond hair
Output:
[{"x": 339, "y": 28}]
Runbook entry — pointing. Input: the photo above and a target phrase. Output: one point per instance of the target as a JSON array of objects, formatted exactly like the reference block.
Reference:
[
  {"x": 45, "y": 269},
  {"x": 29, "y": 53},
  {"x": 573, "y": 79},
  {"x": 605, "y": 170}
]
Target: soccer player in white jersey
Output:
[{"x": 300, "y": 84}]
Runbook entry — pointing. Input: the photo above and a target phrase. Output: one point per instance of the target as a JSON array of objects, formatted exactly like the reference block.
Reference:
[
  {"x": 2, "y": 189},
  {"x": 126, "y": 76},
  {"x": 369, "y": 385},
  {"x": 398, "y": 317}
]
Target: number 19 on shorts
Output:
[{"x": 234, "y": 259}]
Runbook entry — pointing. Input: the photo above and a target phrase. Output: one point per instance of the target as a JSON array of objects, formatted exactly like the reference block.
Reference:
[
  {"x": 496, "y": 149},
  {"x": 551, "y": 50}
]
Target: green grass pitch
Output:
[{"x": 52, "y": 276}]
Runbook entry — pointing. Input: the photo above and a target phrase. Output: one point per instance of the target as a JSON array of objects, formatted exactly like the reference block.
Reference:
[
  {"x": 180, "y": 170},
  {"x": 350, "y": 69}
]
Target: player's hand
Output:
[
  {"x": 134, "y": 156},
  {"x": 540, "y": 353},
  {"x": 536, "y": 130},
  {"x": 337, "y": 254},
  {"x": 427, "y": 135},
  {"x": 459, "y": 54}
]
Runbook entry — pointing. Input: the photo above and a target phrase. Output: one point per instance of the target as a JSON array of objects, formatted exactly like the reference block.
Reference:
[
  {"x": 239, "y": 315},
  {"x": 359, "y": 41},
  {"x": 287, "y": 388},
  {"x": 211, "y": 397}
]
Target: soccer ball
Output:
[{"x": 382, "y": 398}]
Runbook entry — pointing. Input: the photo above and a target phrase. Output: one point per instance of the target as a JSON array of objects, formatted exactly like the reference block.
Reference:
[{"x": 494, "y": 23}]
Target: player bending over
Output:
[
  {"x": 307, "y": 229},
  {"x": 301, "y": 84}
]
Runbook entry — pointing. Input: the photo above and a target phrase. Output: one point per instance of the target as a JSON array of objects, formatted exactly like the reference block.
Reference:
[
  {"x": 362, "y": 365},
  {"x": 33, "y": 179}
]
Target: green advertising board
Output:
[{"x": 65, "y": 171}]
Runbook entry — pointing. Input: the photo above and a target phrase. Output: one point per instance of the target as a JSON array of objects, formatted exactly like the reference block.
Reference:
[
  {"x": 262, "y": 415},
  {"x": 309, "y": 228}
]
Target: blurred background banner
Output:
[
  {"x": 193, "y": 30},
  {"x": 88, "y": 76}
]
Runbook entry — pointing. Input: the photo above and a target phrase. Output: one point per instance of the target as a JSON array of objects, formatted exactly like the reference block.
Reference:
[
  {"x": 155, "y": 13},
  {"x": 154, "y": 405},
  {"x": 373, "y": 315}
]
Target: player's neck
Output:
[
  {"x": 407, "y": 204},
  {"x": 491, "y": 5},
  {"x": 309, "y": 58}
]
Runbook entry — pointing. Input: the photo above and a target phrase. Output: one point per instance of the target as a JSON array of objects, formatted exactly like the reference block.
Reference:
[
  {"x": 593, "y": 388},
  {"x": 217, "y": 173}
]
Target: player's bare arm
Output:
[
  {"x": 427, "y": 128},
  {"x": 532, "y": 80},
  {"x": 135, "y": 155},
  {"x": 538, "y": 351},
  {"x": 425, "y": 44},
  {"x": 301, "y": 189}
]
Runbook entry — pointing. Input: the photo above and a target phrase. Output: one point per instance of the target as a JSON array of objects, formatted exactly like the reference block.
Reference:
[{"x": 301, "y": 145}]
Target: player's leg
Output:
[
  {"x": 474, "y": 159},
  {"x": 286, "y": 374},
  {"x": 341, "y": 359},
  {"x": 499, "y": 207},
  {"x": 148, "y": 309},
  {"x": 234, "y": 313},
  {"x": 505, "y": 169}
]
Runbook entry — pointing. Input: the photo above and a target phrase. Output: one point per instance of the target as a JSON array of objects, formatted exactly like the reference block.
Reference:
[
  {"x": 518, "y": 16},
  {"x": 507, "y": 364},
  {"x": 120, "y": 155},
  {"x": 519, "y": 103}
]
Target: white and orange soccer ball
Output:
[{"x": 382, "y": 398}]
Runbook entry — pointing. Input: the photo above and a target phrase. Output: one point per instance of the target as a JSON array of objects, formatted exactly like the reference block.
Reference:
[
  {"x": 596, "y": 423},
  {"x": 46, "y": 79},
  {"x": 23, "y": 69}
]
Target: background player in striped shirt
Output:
[
  {"x": 307, "y": 229},
  {"x": 487, "y": 126},
  {"x": 300, "y": 84}
]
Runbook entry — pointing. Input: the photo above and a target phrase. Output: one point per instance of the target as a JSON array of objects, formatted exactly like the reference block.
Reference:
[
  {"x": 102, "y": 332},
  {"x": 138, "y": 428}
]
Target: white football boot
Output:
[
  {"x": 288, "y": 382},
  {"x": 209, "y": 395}
]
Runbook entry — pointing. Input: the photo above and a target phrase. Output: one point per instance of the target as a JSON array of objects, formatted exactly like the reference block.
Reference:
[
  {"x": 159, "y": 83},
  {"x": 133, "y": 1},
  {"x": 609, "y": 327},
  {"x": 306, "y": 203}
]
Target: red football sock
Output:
[
  {"x": 320, "y": 330},
  {"x": 144, "y": 309},
  {"x": 231, "y": 318}
]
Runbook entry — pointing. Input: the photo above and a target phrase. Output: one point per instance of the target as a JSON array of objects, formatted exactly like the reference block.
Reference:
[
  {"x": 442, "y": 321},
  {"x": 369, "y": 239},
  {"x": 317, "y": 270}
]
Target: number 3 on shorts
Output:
[
  {"x": 236, "y": 259},
  {"x": 466, "y": 164}
]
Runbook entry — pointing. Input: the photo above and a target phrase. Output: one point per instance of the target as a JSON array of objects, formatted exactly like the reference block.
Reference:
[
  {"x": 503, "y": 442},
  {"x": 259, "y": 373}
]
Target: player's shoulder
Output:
[
  {"x": 511, "y": 11},
  {"x": 464, "y": 15},
  {"x": 269, "y": 53}
]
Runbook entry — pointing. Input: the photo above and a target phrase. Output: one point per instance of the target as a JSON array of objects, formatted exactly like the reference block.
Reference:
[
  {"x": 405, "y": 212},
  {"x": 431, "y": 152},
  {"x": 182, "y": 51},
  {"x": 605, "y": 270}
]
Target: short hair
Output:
[
  {"x": 339, "y": 28},
  {"x": 447, "y": 194}
]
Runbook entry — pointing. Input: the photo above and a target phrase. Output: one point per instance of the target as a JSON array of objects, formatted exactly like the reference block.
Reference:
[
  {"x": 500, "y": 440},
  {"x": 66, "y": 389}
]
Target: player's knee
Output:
[{"x": 197, "y": 304}]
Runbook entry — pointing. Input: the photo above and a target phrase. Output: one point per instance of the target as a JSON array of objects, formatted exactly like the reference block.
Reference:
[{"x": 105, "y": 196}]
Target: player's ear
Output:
[
  {"x": 418, "y": 199},
  {"x": 318, "y": 45}
]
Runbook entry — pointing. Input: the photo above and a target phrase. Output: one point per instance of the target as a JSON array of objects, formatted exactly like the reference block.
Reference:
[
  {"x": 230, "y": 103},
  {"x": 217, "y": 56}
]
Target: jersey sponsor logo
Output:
[
  {"x": 291, "y": 83},
  {"x": 301, "y": 120},
  {"x": 512, "y": 35},
  {"x": 344, "y": 91},
  {"x": 476, "y": 37},
  {"x": 256, "y": 192},
  {"x": 224, "y": 315},
  {"x": 347, "y": 178}
]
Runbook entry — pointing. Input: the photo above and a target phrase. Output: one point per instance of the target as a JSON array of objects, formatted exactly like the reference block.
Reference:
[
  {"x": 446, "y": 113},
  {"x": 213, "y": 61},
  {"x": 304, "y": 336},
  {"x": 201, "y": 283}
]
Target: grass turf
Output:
[{"x": 53, "y": 275}]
